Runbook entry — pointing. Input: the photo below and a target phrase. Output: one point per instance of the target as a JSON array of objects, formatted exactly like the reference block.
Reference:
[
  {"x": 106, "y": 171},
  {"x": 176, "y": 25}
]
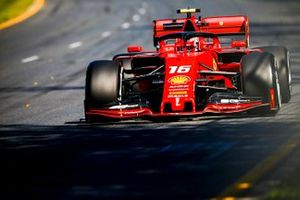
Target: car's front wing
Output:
[{"x": 141, "y": 111}]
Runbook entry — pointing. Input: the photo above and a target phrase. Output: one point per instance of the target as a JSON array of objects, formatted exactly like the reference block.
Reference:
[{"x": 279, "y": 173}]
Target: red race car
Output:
[{"x": 200, "y": 65}]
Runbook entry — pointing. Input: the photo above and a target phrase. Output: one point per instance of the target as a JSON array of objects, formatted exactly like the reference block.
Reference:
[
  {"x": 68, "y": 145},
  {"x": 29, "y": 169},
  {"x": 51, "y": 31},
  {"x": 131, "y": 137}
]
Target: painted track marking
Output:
[
  {"x": 30, "y": 59},
  {"x": 125, "y": 25},
  {"x": 142, "y": 11},
  {"x": 261, "y": 169},
  {"x": 75, "y": 45},
  {"x": 106, "y": 34},
  {"x": 136, "y": 17}
]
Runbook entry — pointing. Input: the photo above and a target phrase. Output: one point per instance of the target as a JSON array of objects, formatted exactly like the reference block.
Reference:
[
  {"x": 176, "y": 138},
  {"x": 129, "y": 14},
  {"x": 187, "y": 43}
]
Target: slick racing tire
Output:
[
  {"x": 282, "y": 58},
  {"x": 259, "y": 78},
  {"x": 102, "y": 84}
]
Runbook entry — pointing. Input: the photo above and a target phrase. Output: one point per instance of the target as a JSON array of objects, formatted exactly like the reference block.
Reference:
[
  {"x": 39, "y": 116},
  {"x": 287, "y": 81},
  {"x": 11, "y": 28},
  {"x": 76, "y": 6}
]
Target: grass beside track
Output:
[
  {"x": 289, "y": 189},
  {"x": 284, "y": 193},
  {"x": 12, "y": 8}
]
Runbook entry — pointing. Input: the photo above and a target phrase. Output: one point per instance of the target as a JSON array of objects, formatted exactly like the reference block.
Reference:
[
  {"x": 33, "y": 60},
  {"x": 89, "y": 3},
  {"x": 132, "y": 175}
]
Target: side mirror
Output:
[
  {"x": 134, "y": 48},
  {"x": 238, "y": 44}
]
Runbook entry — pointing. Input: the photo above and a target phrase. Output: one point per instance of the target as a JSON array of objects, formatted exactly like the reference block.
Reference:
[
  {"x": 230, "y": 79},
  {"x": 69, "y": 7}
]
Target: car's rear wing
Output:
[
  {"x": 221, "y": 26},
  {"x": 227, "y": 26}
]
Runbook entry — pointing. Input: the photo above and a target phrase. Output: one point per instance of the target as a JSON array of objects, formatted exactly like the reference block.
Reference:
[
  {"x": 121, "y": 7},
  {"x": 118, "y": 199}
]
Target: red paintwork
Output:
[
  {"x": 142, "y": 112},
  {"x": 228, "y": 25},
  {"x": 182, "y": 66},
  {"x": 229, "y": 67},
  {"x": 131, "y": 49},
  {"x": 220, "y": 25},
  {"x": 272, "y": 100},
  {"x": 177, "y": 94}
]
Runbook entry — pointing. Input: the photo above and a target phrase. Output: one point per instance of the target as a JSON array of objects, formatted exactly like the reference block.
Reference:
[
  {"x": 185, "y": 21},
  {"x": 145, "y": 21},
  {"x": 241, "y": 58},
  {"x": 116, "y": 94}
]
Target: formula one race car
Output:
[{"x": 201, "y": 65}]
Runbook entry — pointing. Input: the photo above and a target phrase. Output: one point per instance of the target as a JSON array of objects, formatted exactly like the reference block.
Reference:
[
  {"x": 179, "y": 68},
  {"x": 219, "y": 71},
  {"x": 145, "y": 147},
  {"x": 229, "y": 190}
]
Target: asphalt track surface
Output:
[{"x": 46, "y": 152}]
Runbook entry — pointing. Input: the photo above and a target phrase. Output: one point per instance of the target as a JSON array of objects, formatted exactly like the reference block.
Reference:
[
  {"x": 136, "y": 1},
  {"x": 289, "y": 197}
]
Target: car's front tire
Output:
[
  {"x": 281, "y": 55},
  {"x": 102, "y": 85},
  {"x": 260, "y": 79}
]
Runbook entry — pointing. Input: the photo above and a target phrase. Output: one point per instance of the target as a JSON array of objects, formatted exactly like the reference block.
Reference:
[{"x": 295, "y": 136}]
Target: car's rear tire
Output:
[
  {"x": 102, "y": 85},
  {"x": 259, "y": 78},
  {"x": 282, "y": 58}
]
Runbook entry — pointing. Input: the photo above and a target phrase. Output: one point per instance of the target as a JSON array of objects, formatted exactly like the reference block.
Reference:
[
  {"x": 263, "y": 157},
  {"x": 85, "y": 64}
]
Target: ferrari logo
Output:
[{"x": 179, "y": 79}]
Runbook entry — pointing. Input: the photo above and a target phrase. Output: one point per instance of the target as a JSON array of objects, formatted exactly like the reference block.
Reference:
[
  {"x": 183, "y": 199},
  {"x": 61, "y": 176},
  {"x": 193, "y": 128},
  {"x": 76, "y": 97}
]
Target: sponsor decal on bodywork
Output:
[{"x": 179, "y": 80}]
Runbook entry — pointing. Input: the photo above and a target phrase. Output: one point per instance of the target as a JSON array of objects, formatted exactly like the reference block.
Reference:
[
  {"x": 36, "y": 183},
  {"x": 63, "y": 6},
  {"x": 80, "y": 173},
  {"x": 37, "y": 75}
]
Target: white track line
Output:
[
  {"x": 30, "y": 59},
  {"x": 106, "y": 34},
  {"x": 142, "y": 11},
  {"x": 136, "y": 17},
  {"x": 125, "y": 25},
  {"x": 75, "y": 45}
]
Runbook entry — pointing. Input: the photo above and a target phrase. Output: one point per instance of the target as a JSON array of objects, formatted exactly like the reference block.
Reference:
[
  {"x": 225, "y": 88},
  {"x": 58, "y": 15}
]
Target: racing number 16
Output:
[{"x": 180, "y": 69}]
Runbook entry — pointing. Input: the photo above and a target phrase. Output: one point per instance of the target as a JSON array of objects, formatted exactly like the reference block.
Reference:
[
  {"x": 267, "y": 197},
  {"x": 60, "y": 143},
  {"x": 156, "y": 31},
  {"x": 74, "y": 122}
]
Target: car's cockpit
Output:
[{"x": 188, "y": 41}]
